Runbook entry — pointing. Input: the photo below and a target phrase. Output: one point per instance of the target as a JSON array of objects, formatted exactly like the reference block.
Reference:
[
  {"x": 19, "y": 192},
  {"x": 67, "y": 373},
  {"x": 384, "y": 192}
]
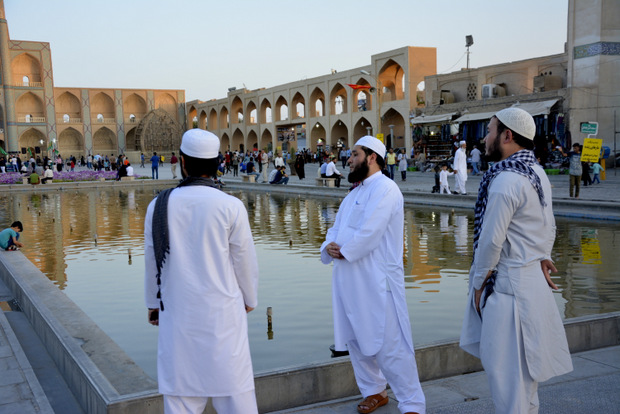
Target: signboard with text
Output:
[
  {"x": 589, "y": 128},
  {"x": 591, "y": 149},
  {"x": 380, "y": 138}
]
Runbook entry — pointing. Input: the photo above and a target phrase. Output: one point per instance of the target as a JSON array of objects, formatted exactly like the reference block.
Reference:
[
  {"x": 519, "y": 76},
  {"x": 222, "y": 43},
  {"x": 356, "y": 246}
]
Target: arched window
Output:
[
  {"x": 28, "y": 118},
  {"x": 66, "y": 118},
  {"x": 99, "y": 117},
  {"x": 26, "y": 81},
  {"x": 132, "y": 118}
]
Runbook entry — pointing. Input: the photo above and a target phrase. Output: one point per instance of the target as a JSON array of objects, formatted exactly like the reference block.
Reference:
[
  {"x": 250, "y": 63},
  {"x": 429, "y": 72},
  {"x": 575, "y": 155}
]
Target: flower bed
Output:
[{"x": 65, "y": 176}]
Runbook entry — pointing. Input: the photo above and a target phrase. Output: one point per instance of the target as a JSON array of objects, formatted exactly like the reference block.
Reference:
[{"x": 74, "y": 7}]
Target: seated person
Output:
[
  {"x": 48, "y": 175},
  {"x": 251, "y": 169},
  {"x": 272, "y": 175},
  {"x": 9, "y": 237},
  {"x": 332, "y": 172},
  {"x": 122, "y": 172},
  {"x": 34, "y": 178},
  {"x": 280, "y": 177},
  {"x": 323, "y": 169},
  {"x": 129, "y": 170}
]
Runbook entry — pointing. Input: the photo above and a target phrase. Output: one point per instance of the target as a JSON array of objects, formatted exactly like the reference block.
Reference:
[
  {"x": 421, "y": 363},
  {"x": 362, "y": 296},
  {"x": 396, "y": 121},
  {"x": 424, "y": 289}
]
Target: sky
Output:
[{"x": 205, "y": 46}]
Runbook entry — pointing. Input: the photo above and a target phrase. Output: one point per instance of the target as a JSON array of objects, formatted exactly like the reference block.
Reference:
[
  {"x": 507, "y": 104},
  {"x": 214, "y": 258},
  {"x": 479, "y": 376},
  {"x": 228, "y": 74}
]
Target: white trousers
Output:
[
  {"x": 173, "y": 168},
  {"x": 444, "y": 189},
  {"x": 460, "y": 184},
  {"x": 394, "y": 363},
  {"x": 236, "y": 404},
  {"x": 503, "y": 357}
]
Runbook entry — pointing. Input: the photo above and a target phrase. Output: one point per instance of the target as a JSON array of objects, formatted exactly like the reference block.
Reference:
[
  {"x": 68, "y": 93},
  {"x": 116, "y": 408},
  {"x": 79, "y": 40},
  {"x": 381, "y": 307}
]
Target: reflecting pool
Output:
[{"x": 90, "y": 244}]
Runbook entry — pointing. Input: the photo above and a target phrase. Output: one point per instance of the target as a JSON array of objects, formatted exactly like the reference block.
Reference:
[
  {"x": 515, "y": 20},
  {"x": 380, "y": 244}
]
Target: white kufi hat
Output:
[
  {"x": 372, "y": 143},
  {"x": 199, "y": 143},
  {"x": 519, "y": 121}
]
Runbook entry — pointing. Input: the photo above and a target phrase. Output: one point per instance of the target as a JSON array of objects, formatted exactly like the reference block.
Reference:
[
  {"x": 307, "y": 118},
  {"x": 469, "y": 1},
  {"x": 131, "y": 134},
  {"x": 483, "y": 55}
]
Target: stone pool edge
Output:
[{"x": 87, "y": 357}]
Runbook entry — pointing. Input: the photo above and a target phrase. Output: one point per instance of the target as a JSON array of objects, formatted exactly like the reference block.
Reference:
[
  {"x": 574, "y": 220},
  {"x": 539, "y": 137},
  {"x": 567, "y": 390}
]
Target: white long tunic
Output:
[
  {"x": 517, "y": 233},
  {"x": 208, "y": 277},
  {"x": 369, "y": 230},
  {"x": 460, "y": 164}
]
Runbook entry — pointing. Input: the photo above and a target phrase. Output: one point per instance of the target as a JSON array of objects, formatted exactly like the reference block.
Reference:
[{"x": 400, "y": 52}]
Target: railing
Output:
[
  {"x": 69, "y": 121},
  {"x": 134, "y": 120},
  {"x": 31, "y": 119},
  {"x": 104, "y": 121},
  {"x": 29, "y": 84}
]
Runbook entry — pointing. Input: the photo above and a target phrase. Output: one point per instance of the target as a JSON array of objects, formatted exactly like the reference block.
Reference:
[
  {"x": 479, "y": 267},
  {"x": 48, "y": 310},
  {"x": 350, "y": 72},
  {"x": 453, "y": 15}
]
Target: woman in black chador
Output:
[{"x": 299, "y": 167}]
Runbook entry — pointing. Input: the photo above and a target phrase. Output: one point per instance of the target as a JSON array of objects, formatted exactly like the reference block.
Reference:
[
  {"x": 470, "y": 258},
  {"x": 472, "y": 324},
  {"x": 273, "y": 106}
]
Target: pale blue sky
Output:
[{"x": 207, "y": 46}]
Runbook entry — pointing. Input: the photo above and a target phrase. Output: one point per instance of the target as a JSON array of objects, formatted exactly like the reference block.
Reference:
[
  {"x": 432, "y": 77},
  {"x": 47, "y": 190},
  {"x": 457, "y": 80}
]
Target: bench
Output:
[
  {"x": 249, "y": 178},
  {"x": 326, "y": 182},
  {"x": 128, "y": 178}
]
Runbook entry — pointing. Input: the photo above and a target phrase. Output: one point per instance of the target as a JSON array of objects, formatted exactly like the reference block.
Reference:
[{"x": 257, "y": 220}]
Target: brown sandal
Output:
[{"x": 372, "y": 402}]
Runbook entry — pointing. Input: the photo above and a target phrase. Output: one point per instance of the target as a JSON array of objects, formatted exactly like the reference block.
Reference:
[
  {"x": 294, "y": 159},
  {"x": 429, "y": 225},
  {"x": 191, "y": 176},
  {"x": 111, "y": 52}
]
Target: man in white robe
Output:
[
  {"x": 209, "y": 279},
  {"x": 460, "y": 168},
  {"x": 370, "y": 311},
  {"x": 512, "y": 322}
]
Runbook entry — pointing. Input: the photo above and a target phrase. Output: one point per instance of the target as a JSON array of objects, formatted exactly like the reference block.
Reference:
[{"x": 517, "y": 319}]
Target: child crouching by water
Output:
[{"x": 9, "y": 236}]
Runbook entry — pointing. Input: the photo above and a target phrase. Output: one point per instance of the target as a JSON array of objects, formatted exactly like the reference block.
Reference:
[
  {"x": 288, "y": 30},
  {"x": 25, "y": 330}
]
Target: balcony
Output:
[
  {"x": 31, "y": 119},
  {"x": 107, "y": 121},
  {"x": 28, "y": 84},
  {"x": 69, "y": 121}
]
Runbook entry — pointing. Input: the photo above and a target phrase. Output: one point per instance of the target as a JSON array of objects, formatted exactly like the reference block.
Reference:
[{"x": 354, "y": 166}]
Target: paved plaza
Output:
[{"x": 30, "y": 384}]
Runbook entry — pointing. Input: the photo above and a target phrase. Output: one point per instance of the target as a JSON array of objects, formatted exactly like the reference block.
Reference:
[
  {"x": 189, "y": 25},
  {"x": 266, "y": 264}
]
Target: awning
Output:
[
  {"x": 475, "y": 116},
  {"x": 432, "y": 119},
  {"x": 534, "y": 108},
  {"x": 537, "y": 108}
]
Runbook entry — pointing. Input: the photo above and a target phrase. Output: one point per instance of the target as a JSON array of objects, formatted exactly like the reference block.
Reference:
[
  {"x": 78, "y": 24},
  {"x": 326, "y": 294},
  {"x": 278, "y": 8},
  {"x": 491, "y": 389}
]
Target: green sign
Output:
[{"x": 589, "y": 128}]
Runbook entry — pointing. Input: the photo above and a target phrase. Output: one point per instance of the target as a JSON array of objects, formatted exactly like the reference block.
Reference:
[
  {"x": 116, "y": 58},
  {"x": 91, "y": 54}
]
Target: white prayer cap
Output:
[
  {"x": 462, "y": 143},
  {"x": 199, "y": 143},
  {"x": 519, "y": 121},
  {"x": 373, "y": 143}
]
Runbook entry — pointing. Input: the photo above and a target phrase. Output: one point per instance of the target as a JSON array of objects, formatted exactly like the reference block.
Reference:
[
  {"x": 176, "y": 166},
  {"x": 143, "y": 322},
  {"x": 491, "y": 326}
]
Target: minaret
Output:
[{"x": 10, "y": 126}]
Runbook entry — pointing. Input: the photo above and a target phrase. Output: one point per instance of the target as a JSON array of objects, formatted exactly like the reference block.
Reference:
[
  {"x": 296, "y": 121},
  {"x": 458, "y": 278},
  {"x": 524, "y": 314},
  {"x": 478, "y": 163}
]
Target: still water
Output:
[{"x": 90, "y": 244}]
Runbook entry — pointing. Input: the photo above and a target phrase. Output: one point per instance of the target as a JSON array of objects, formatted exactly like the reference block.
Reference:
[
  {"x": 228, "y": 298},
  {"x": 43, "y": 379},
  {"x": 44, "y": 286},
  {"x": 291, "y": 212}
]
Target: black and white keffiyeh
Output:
[
  {"x": 161, "y": 239},
  {"x": 521, "y": 163}
]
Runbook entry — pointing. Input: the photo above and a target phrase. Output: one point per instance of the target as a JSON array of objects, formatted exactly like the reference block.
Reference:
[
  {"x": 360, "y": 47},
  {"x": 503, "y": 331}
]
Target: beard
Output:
[
  {"x": 359, "y": 173},
  {"x": 494, "y": 154}
]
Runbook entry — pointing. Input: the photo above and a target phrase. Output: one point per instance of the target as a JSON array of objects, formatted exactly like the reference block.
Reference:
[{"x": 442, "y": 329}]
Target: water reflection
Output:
[{"x": 90, "y": 244}]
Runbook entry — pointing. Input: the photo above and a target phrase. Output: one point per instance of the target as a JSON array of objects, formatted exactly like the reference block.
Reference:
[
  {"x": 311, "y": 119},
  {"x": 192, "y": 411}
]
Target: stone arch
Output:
[
  {"x": 225, "y": 142},
  {"x": 253, "y": 140},
  {"x": 102, "y": 104},
  {"x": 192, "y": 117},
  {"x": 393, "y": 117},
  {"x": 318, "y": 135},
  {"x": 224, "y": 118},
  {"x": 31, "y": 138},
  {"x": 236, "y": 109},
  {"x": 362, "y": 98},
  {"x": 202, "y": 120},
  {"x": 134, "y": 104},
  {"x": 391, "y": 77},
  {"x": 338, "y": 100},
  {"x": 339, "y": 133},
  {"x": 361, "y": 129},
  {"x": 237, "y": 141},
  {"x": 159, "y": 131},
  {"x": 26, "y": 66},
  {"x": 131, "y": 142},
  {"x": 266, "y": 140},
  {"x": 212, "y": 124},
  {"x": 69, "y": 104},
  {"x": 317, "y": 103},
  {"x": 166, "y": 102},
  {"x": 282, "y": 112},
  {"x": 70, "y": 142},
  {"x": 252, "y": 112},
  {"x": 29, "y": 107},
  {"x": 266, "y": 115},
  {"x": 299, "y": 106},
  {"x": 104, "y": 141}
]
